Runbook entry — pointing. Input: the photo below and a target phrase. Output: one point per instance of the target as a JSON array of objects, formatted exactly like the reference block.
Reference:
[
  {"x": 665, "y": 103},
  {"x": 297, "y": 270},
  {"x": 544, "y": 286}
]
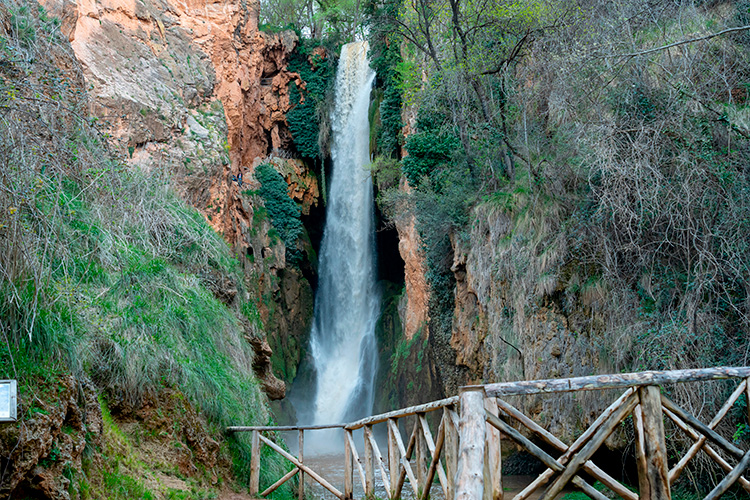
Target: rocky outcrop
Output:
[
  {"x": 511, "y": 321},
  {"x": 272, "y": 386},
  {"x": 414, "y": 305},
  {"x": 41, "y": 451},
  {"x": 193, "y": 89},
  {"x": 303, "y": 185}
]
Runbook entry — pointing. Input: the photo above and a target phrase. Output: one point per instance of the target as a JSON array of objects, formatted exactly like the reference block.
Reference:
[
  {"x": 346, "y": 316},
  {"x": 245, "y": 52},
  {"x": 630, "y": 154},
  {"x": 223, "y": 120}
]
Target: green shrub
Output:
[
  {"x": 284, "y": 212},
  {"x": 427, "y": 151}
]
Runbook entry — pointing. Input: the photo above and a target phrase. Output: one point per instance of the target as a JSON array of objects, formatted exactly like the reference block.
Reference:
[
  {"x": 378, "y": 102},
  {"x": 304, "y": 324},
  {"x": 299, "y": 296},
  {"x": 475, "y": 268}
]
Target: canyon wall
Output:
[{"x": 194, "y": 90}]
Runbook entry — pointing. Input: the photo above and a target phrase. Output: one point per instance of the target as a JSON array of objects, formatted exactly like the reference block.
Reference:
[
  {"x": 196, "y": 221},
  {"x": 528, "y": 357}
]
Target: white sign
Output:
[{"x": 8, "y": 400}]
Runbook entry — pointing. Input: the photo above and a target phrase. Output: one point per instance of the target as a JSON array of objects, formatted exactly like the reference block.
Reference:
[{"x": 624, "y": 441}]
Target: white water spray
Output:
[{"x": 342, "y": 340}]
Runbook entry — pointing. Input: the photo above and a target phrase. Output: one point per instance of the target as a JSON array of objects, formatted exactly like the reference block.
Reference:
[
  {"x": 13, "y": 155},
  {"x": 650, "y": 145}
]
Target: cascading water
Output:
[{"x": 342, "y": 340}]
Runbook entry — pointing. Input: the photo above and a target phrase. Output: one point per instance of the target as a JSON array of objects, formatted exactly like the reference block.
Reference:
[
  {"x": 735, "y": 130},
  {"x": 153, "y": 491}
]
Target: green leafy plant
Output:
[{"x": 284, "y": 212}]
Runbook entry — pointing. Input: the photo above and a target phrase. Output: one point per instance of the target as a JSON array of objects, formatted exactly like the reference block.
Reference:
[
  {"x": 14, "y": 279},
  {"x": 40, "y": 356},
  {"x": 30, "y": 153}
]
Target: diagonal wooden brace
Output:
[
  {"x": 588, "y": 450},
  {"x": 541, "y": 455}
]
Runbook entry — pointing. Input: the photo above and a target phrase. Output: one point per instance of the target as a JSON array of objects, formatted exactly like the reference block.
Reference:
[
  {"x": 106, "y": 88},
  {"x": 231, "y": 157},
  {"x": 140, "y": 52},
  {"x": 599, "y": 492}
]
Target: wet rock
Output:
[{"x": 272, "y": 386}]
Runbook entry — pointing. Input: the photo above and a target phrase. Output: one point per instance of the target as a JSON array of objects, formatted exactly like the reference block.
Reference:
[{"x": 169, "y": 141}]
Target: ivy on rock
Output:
[
  {"x": 308, "y": 115},
  {"x": 284, "y": 212}
]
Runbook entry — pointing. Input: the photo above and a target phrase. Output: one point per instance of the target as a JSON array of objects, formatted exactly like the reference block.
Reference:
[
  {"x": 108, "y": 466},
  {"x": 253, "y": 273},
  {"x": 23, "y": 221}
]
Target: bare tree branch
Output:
[{"x": 682, "y": 42}]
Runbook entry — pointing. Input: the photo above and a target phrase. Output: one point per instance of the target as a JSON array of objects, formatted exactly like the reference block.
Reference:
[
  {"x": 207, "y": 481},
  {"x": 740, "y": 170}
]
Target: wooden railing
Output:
[{"x": 464, "y": 455}]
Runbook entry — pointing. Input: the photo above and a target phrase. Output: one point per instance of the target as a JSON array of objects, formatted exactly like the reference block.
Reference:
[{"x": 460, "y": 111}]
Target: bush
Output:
[
  {"x": 427, "y": 151},
  {"x": 284, "y": 212}
]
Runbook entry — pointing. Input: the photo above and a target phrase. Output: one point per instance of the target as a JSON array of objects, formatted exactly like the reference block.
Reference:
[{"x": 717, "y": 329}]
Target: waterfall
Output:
[{"x": 347, "y": 304}]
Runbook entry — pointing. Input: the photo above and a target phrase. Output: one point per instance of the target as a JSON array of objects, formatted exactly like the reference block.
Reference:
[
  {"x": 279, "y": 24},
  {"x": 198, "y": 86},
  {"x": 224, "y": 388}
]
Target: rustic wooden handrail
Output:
[
  {"x": 406, "y": 412},
  {"x": 616, "y": 381},
  {"x": 282, "y": 428},
  {"x": 464, "y": 456}
]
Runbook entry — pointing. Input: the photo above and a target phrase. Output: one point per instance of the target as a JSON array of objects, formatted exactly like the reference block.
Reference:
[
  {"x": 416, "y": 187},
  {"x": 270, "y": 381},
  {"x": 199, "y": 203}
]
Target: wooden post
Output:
[
  {"x": 421, "y": 458},
  {"x": 369, "y": 464},
  {"x": 469, "y": 480},
  {"x": 301, "y": 490},
  {"x": 394, "y": 456},
  {"x": 653, "y": 470},
  {"x": 255, "y": 464},
  {"x": 493, "y": 486},
  {"x": 348, "y": 466},
  {"x": 451, "y": 450}
]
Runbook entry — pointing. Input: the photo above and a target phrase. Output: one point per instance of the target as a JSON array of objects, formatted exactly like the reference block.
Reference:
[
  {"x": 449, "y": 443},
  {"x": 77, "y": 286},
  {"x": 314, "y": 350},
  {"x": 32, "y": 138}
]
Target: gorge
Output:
[{"x": 559, "y": 189}]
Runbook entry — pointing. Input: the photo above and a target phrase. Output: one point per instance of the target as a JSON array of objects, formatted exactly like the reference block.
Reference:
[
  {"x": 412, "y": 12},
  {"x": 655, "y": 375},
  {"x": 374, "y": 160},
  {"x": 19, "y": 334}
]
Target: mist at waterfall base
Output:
[{"x": 343, "y": 350}]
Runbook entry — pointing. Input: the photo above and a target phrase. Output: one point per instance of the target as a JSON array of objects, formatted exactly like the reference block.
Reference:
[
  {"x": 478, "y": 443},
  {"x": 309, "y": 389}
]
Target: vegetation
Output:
[
  {"x": 385, "y": 59},
  {"x": 102, "y": 268},
  {"x": 308, "y": 119},
  {"x": 284, "y": 212},
  {"x": 638, "y": 159},
  {"x": 339, "y": 20},
  {"x": 592, "y": 167}
]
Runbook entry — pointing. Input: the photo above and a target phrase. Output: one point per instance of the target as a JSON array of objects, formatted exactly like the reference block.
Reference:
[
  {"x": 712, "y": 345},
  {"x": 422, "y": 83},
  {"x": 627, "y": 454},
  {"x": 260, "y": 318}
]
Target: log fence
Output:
[{"x": 462, "y": 458}]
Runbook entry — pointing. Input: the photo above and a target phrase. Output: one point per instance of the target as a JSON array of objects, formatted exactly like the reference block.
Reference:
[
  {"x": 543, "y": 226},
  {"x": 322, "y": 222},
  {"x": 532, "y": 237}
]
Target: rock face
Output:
[
  {"x": 191, "y": 88},
  {"x": 511, "y": 322},
  {"x": 413, "y": 307}
]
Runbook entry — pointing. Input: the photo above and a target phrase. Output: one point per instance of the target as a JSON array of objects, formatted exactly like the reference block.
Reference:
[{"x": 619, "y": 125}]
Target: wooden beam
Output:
[
  {"x": 255, "y": 464},
  {"x": 525, "y": 442},
  {"x": 703, "y": 428},
  {"x": 281, "y": 481},
  {"x": 303, "y": 467},
  {"x": 353, "y": 449},
  {"x": 434, "y": 453},
  {"x": 706, "y": 448},
  {"x": 369, "y": 467},
  {"x": 598, "y": 382},
  {"x": 405, "y": 465},
  {"x": 394, "y": 464},
  {"x": 406, "y": 412},
  {"x": 420, "y": 462},
  {"x": 469, "y": 480},
  {"x": 250, "y": 428},
  {"x": 300, "y": 455},
  {"x": 728, "y": 481},
  {"x": 451, "y": 449},
  {"x": 680, "y": 466},
  {"x": 653, "y": 469},
  {"x": 577, "y": 461},
  {"x": 435, "y": 463},
  {"x": 378, "y": 458},
  {"x": 348, "y": 467}
]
